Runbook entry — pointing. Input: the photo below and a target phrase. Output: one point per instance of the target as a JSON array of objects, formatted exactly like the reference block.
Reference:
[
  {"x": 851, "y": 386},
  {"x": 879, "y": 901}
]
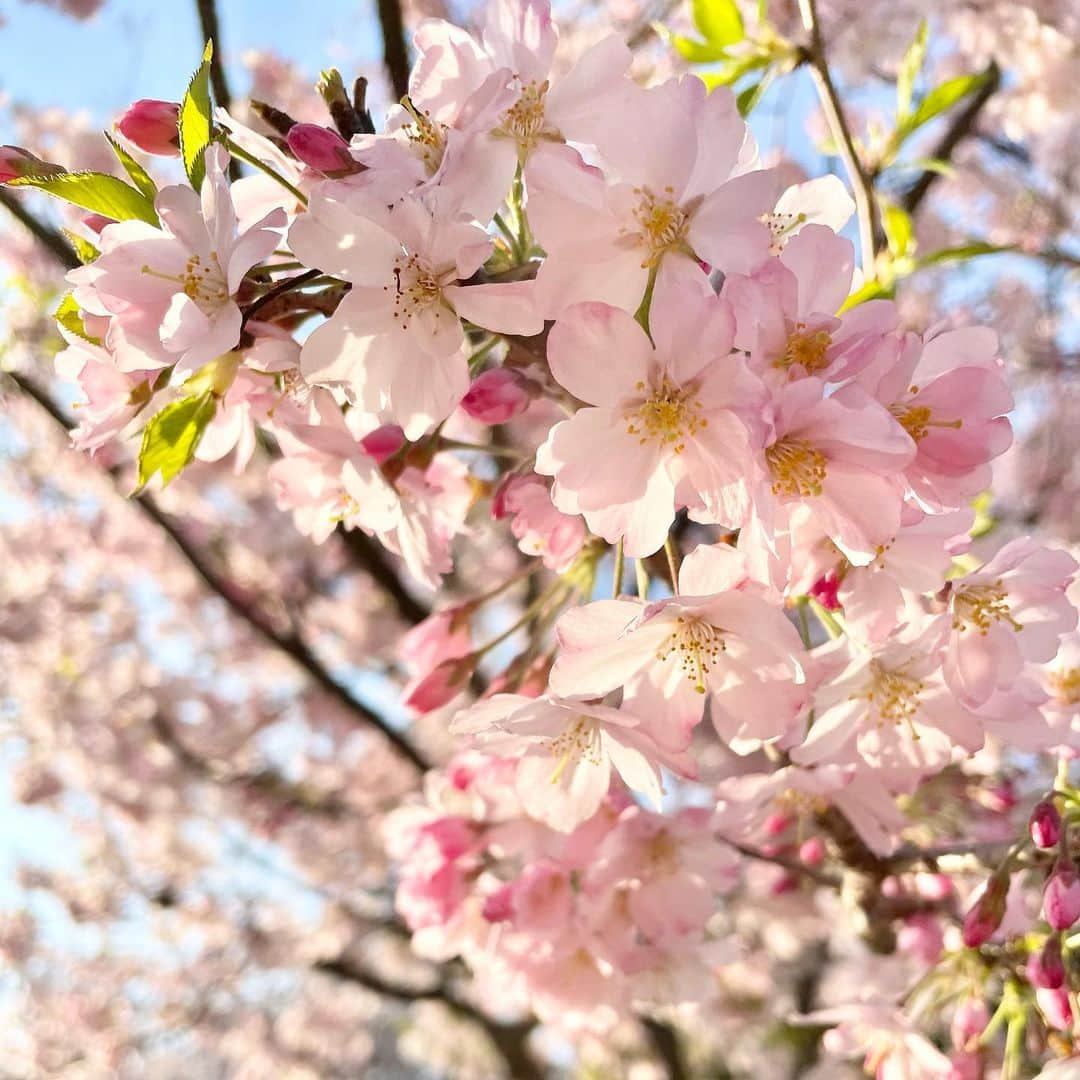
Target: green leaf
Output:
[
  {"x": 963, "y": 252},
  {"x": 749, "y": 98},
  {"x": 910, "y": 67},
  {"x": 734, "y": 70},
  {"x": 86, "y": 251},
  {"x": 70, "y": 318},
  {"x": 97, "y": 192},
  {"x": 985, "y": 522},
  {"x": 194, "y": 124},
  {"x": 944, "y": 96},
  {"x": 139, "y": 176},
  {"x": 899, "y": 230},
  {"x": 719, "y": 21},
  {"x": 934, "y": 165},
  {"x": 172, "y": 436},
  {"x": 870, "y": 291},
  {"x": 694, "y": 52}
]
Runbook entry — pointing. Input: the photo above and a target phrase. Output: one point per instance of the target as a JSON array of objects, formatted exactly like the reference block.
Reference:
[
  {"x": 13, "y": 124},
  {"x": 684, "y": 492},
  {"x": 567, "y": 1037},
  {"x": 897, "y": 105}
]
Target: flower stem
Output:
[{"x": 255, "y": 163}]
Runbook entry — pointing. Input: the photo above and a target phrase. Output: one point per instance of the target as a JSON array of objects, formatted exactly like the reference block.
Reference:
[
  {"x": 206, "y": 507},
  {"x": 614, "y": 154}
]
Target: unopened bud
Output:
[
  {"x": 1046, "y": 969},
  {"x": 16, "y": 162},
  {"x": 152, "y": 126},
  {"x": 384, "y": 442},
  {"x": 1061, "y": 896},
  {"x": 969, "y": 1022},
  {"x": 985, "y": 915},
  {"x": 1045, "y": 824},
  {"x": 1055, "y": 1007},
  {"x": 497, "y": 395},
  {"x": 323, "y": 150},
  {"x": 442, "y": 684},
  {"x": 812, "y": 851}
]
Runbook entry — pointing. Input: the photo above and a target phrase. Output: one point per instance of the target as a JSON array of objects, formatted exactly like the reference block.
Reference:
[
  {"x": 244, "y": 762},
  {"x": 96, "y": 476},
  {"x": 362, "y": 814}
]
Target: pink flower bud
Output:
[
  {"x": 985, "y": 915},
  {"x": 441, "y": 685},
  {"x": 96, "y": 222},
  {"x": 151, "y": 126},
  {"x": 777, "y": 824},
  {"x": 1055, "y": 1007},
  {"x": 921, "y": 936},
  {"x": 16, "y": 162},
  {"x": 321, "y": 149},
  {"x": 812, "y": 851},
  {"x": 384, "y": 442},
  {"x": 499, "y": 906},
  {"x": 969, "y": 1022},
  {"x": 1045, "y": 824},
  {"x": 826, "y": 591},
  {"x": 1046, "y": 969},
  {"x": 497, "y": 395},
  {"x": 1061, "y": 896}
]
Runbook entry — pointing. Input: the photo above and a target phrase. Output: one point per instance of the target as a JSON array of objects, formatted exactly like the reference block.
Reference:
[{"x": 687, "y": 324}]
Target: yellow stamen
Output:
[
  {"x": 979, "y": 606},
  {"x": 697, "y": 646},
  {"x": 798, "y": 470},
  {"x": 668, "y": 415}
]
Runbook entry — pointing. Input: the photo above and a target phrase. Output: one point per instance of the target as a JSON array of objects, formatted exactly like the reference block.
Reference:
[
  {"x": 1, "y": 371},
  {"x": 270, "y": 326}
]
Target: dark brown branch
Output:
[
  {"x": 665, "y": 1043},
  {"x": 280, "y": 289},
  {"x": 289, "y": 643},
  {"x": 372, "y": 558},
  {"x": 211, "y": 31},
  {"x": 53, "y": 239},
  {"x": 958, "y": 130},
  {"x": 511, "y": 1040},
  {"x": 395, "y": 49}
]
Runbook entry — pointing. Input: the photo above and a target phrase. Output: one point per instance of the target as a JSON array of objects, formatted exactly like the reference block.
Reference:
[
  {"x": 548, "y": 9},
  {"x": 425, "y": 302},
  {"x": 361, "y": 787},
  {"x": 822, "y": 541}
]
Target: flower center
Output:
[
  {"x": 344, "y": 508},
  {"x": 427, "y": 137},
  {"x": 668, "y": 416},
  {"x": 1066, "y": 685},
  {"x": 917, "y": 420},
  {"x": 981, "y": 605},
  {"x": 797, "y": 469},
  {"x": 780, "y": 227},
  {"x": 696, "y": 645},
  {"x": 578, "y": 741},
  {"x": 800, "y": 804},
  {"x": 662, "y": 853},
  {"x": 894, "y": 694},
  {"x": 662, "y": 225},
  {"x": 202, "y": 282},
  {"x": 416, "y": 288},
  {"x": 807, "y": 349},
  {"x": 524, "y": 120}
]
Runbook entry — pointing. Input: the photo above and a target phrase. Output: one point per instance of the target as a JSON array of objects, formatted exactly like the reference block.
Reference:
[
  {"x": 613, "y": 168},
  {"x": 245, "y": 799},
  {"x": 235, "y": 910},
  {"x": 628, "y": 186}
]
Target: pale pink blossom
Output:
[{"x": 541, "y": 530}]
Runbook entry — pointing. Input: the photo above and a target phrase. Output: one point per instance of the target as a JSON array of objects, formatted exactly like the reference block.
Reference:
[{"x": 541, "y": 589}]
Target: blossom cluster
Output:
[{"x": 582, "y": 305}]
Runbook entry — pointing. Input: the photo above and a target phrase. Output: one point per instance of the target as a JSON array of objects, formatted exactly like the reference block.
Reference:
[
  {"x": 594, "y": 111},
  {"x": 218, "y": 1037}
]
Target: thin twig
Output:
[
  {"x": 665, "y": 1042},
  {"x": 211, "y": 31},
  {"x": 289, "y": 643},
  {"x": 395, "y": 49},
  {"x": 861, "y": 182},
  {"x": 282, "y": 287},
  {"x": 52, "y": 238}
]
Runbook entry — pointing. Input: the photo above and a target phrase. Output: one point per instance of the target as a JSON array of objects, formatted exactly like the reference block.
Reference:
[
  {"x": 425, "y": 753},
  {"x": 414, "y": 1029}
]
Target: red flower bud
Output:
[
  {"x": 969, "y": 1022},
  {"x": 1055, "y": 1007},
  {"x": 1046, "y": 969},
  {"x": 985, "y": 915},
  {"x": 812, "y": 851},
  {"x": 151, "y": 126},
  {"x": 1061, "y": 896},
  {"x": 1045, "y": 824},
  {"x": 383, "y": 442},
  {"x": 497, "y": 395},
  {"x": 442, "y": 684},
  {"x": 16, "y": 162},
  {"x": 323, "y": 150}
]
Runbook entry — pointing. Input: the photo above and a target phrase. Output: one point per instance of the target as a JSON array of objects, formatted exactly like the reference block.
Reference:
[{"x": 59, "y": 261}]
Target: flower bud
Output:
[
  {"x": 1045, "y": 824},
  {"x": 499, "y": 906},
  {"x": 826, "y": 591},
  {"x": 1046, "y": 969},
  {"x": 969, "y": 1022},
  {"x": 323, "y": 150},
  {"x": 985, "y": 915},
  {"x": 383, "y": 442},
  {"x": 1061, "y": 896},
  {"x": 16, "y": 162},
  {"x": 497, "y": 395},
  {"x": 442, "y": 684},
  {"x": 1055, "y": 1007},
  {"x": 151, "y": 126},
  {"x": 812, "y": 851}
]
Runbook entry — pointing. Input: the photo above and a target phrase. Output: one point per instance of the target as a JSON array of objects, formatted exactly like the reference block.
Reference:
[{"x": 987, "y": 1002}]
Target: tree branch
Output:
[
  {"x": 395, "y": 49},
  {"x": 289, "y": 643},
  {"x": 211, "y": 31},
  {"x": 373, "y": 559},
  {"x": 961, "y": 127},
  {"x": 52, "y": 238},
  {"x": 861, "y": 182},
  {"x": 665, "y": 1042}
]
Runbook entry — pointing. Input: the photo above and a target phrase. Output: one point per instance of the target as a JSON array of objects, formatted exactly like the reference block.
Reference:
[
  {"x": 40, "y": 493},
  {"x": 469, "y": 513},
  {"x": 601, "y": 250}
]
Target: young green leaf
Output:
[
  {"x": 964, "y": 252},
  {"x": 899, "y": 230},
  {"x": 749, "y": 98},
  {"x": 98, "y": 192},
  {"x": 694, "y": 52},
  {"x": 734, "y": 70},
  {"x": 194, "y": 124},
  {"x": 139, "y": 176},
  {"x": 70, "y": 318},
  {"x": 172, "y": 436},
  {"x": 944, "y": 96},
  {"x": 719, "y": 21},
  {"x": 910, "y": 67},
  {"x": 83, "y": 248}
]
